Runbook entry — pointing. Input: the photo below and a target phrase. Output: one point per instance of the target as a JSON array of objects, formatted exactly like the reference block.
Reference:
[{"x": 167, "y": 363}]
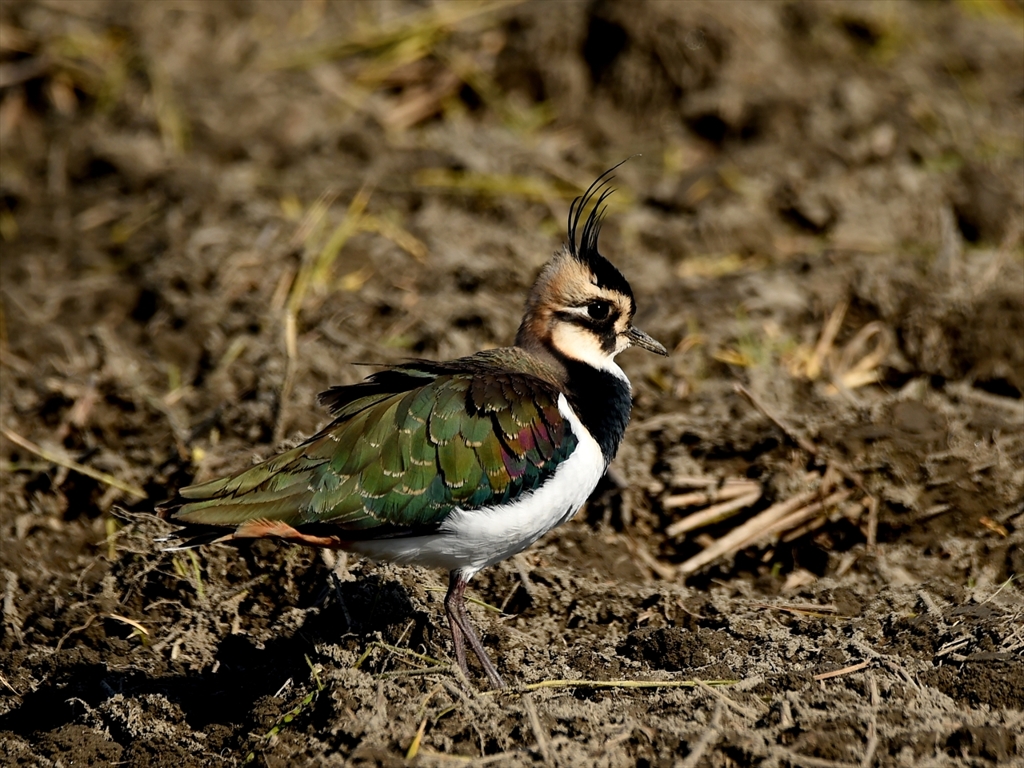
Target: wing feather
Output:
[{"x": 404, "y": 451}]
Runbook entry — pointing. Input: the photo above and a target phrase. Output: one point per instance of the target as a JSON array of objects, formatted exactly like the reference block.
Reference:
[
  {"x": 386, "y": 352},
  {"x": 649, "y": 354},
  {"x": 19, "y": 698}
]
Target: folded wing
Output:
[{"x": 408, "y": 446}]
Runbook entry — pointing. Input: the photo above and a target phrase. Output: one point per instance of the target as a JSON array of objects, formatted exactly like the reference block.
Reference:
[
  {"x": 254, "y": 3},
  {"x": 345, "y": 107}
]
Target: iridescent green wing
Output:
[{"x": 409, "y": 445}]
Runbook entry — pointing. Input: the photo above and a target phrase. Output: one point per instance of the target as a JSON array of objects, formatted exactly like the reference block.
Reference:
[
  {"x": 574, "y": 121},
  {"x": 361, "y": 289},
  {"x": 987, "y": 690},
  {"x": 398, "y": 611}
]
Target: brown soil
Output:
[{"x": 162, "y": 167}]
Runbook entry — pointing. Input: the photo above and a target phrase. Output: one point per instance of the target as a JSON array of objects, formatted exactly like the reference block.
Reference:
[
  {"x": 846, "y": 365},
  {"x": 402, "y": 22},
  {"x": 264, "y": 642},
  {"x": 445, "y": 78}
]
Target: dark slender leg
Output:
[
  {"x": 462, "y": 630},
  {"x": 341, "y": 601},
  {"x": 452, "y": 600}
]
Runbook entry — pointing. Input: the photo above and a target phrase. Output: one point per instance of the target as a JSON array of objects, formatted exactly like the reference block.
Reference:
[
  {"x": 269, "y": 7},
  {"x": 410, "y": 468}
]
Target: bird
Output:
[{"x": 461, "y": 464}]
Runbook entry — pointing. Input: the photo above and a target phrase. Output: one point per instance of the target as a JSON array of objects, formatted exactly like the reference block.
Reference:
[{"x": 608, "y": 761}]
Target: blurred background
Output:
[{"x": 210, "y": 211}]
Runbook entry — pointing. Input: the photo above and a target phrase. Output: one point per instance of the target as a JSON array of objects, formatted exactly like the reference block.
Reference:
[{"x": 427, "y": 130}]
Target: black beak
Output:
[{"x": 638, "y": 338}]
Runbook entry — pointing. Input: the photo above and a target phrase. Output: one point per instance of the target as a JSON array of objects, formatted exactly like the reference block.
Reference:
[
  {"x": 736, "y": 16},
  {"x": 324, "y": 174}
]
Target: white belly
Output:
[{"x": 470, "y": 540}]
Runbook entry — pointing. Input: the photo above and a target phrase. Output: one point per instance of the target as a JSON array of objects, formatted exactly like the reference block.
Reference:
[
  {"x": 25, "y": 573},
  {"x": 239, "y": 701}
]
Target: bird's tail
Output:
[{"x": 194, "y": 534}]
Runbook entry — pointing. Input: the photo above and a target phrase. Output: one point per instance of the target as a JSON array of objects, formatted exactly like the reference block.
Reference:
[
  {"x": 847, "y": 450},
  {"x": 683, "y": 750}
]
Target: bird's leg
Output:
[
  {"x": 462, "y": 630},
  {"x": 452, "y": 601},
  {"x": 341, "y": 601},
  {"x": 478, "y": 648}
]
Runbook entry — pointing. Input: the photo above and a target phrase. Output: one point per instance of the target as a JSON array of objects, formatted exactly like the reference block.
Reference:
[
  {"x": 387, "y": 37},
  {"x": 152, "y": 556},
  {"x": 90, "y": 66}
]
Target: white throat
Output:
[{"x": 579, "y": 344}]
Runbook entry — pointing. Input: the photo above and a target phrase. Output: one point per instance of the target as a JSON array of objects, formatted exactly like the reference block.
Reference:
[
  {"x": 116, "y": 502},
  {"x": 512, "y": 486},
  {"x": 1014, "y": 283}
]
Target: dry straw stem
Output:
[
  {"x": 173, "y": 125},
  {"x": 806, "y": 609},
  {"x": 398, "y": 652},
  {"x": 708, "y": 739},
  {"x": 475, "y": 761},
  {"x": 348, "y": 226},
  {"x": 314, "y": 216},
  {"x": 642, "y": 554},
  {"x": 731, "y": 489},
  {"x": 391, "y": 230},
  {"x": 740, "y": 536},
  {"x": 414, "y": 747},
  {"x": 3, "y": 681},
  {"x": 420, "y": 104},
  {"x": 314, "y": 271},
  {"x": 827, "y": 339},
  {"x": 683, "y": 481},
  {"x": 749, "y": 712},
  {"x": 844, "y": 671},
  {"x": 812, "y": 449},
  {"x": 859, "y": 364},
  {"x": 426, "y": 28},
  {"x": 791, "y": 433},
  {"x": 10, "y": 610},
  {"x": 716, "y": 512},
  {"x": 542, "y": 736},
  {"x": 64, "y": 461},
  {"x": 719, "y": 265},
  {"x": 625, "y": 684},
  {"x": 74, "y": 631},
  {"x": 804, "y": 514},
  {"x": 518, "y": 118},
  {"x": 142, "y": 632}
]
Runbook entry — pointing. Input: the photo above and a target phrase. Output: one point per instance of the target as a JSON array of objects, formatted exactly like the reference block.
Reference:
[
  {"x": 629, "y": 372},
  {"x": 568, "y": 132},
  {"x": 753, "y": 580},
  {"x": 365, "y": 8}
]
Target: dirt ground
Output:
[{"x": 212, "y": 211}]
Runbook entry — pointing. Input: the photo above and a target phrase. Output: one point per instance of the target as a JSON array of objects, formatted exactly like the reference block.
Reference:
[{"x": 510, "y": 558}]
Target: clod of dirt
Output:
[
  {"x": 808, "y": 209},
  {"x": 985, "y": 741},
  {"x": 982, "y": 203},
  {"x": 990, "y": 683},
  {"x": 846, "y": 602},
  {"x": 676, "y": 649}
]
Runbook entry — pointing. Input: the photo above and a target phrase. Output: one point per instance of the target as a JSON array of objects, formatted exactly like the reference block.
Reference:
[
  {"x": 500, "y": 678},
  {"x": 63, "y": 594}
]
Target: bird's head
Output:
[{"x": 581, "y": 306}]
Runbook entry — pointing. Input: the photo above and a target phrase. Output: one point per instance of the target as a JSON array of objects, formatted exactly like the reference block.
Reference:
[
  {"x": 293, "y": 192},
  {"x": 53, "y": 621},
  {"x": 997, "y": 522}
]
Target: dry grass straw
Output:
[
  {"x": 319, "y": 258},
  {"x": 171, "y": 121},
  {"x": 437, "y": 666},
  {"x": 474, "y": 760},
  {"x": 518, "y": 117},
  {"x": 420, "y": 31},
  {"x": 539, "y": 732},
  {"x": 74, "y": 631},
  {"x": 745, "y": 534},
  {"x": 391, "y": 54},
  {"x": 785, "y": 520},
  {"x": 844, "y": 671},
  {"x": 414, "y": 747},
  {"x": 139, "y": 631},
  {"x": 714, "y": 501},
  {"x": 803, "y": 609},
  {"x": 734, "y": 496},
  {"x": 61, "y": 460},
  {"x": 292, "y": 713},
  {"x": 621, "y": 684},
  {"x": 855, "y": 365},
  {"x": 11, "y": 688},
  {"x": 710, "y": 266},
  {"x": 389, "y": 228},
  {"x": 193, "y": 575},
  {"x": 397, "y": 651}
]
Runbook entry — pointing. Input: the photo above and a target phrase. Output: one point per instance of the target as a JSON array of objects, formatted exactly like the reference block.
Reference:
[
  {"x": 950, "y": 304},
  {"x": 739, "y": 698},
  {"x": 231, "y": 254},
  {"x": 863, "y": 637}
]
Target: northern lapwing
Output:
[{"x": 460, "y": 464}]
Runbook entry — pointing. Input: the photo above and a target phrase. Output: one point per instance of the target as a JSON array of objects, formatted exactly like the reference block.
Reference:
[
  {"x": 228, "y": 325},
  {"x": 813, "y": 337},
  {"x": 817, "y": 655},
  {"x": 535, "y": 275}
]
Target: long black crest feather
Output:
[{"x": 584, "y": 247}]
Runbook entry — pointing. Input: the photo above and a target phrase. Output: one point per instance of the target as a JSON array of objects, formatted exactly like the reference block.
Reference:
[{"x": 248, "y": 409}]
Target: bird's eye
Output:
[{"x": 599, "y": 309}]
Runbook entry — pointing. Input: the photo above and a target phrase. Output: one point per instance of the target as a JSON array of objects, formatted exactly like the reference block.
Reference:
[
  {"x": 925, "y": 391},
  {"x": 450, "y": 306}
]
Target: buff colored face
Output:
[{"x": 587, "y": 321}]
